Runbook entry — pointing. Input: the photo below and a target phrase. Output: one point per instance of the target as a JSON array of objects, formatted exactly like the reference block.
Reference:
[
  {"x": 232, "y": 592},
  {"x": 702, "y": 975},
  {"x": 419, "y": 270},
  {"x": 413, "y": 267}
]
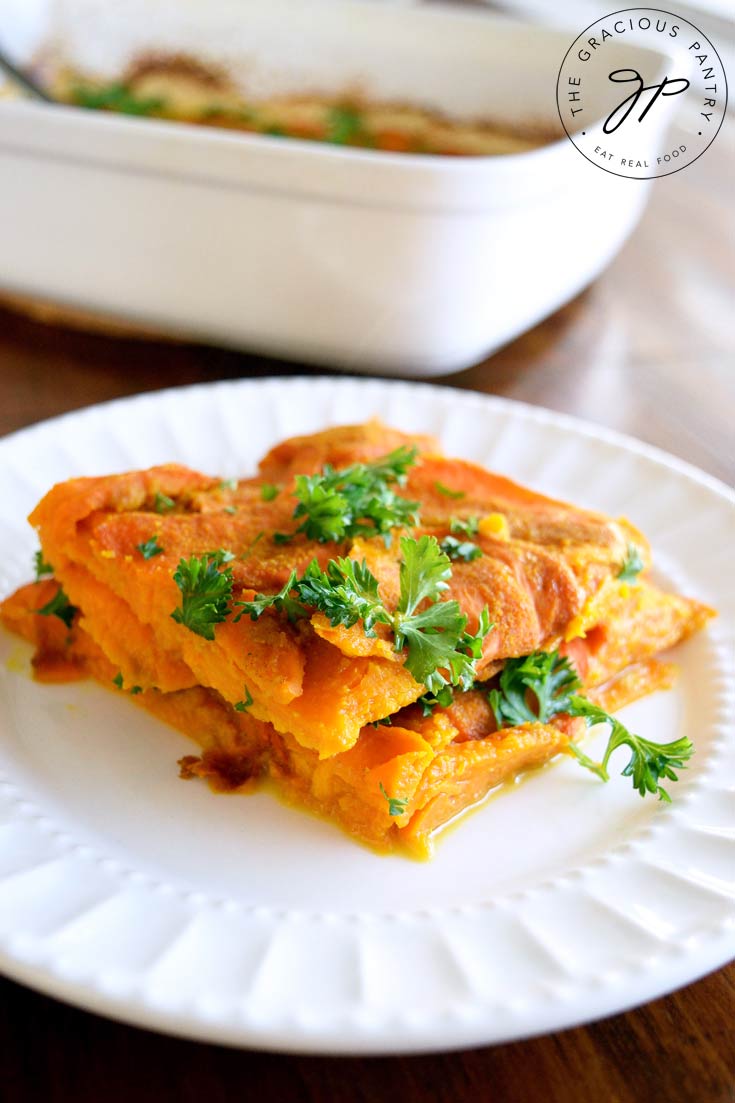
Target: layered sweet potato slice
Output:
[{"x": 329, "y": 710}]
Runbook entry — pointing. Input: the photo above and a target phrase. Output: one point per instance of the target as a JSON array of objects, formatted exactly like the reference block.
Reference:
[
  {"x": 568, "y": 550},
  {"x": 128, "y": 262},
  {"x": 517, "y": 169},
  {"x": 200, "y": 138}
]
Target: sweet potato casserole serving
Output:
[{"x": 384, "y": 632}]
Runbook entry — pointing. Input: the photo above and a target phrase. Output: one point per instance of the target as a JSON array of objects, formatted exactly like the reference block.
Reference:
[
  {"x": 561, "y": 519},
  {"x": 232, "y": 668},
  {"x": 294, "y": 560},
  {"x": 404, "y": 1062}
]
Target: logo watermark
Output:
[{"x": 642, "y": 93}]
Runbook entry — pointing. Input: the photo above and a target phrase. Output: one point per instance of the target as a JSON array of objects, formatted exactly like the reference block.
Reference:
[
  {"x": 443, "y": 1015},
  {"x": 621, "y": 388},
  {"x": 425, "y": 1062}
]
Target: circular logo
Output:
[{"x": 641, "y": 93}]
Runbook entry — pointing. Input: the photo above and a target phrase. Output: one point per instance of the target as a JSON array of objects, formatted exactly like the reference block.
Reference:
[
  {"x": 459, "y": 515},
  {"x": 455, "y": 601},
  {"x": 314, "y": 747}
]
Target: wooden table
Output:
[{"x": 649, "y": 349}]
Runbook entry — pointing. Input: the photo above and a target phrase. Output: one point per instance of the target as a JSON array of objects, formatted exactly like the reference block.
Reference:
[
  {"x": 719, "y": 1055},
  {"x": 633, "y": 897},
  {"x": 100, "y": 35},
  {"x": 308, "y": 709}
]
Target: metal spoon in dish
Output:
[{"x": 28, "y": 85}]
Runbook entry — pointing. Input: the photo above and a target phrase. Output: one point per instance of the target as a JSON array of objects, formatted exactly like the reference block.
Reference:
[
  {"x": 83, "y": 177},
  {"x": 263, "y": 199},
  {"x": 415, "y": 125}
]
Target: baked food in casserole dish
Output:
[
  {"x": 385, "y": 632},
  {"x": 181, "y": 88}
]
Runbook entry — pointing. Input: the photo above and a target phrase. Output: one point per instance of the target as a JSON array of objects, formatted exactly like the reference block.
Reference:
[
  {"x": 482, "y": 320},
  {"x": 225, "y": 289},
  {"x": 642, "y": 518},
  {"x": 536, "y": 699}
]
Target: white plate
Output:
[{"x": 238, "y": 920}]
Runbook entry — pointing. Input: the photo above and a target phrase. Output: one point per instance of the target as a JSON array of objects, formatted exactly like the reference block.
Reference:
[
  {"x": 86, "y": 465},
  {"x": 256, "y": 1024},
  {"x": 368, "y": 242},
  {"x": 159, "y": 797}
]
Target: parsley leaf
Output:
[
  {"x": 632, "y": 565},
  {"x": 424, "y": 573},
  {"x": 251, "y": 546},
  {"x": 228, "y": 484},
  {"x": 648, "y": 762},
  {"x": 432, "y": 638},
  {"x": 269, "y": 491},
  {"x": 243, "y": 706},
  {"x": 118, "y": 681},
  {"x": 150, "y": 547},
  {"x": 40, "y": 565},
  {"x": 282, "y": 602},
  {"x": 205, "y": 592},
  {"x": 429, "y": 701},
  {"x": 396, "y": 805},
  {"x": 537, "y": 687},
  {"x": 337, "y": 505},
  {"x": 435, "y": 637},
  {"x": 447, "y": 492},
  {"x": 465, "y": 526},
  {"x": 162, "y": 503},
  {"x": 344, "y": 125},
  {"x": 546, "y": 676},
  {"x": 346, "y": 592},
  {"x": 460, "y": 549},
  {"x": 117, "y": 97},
  {"x": 59, "y": 606}
]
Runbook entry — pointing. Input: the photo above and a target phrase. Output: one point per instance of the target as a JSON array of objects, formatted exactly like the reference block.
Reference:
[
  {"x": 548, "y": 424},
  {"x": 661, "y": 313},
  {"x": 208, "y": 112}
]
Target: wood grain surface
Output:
[{"x": 649, "y": 350}]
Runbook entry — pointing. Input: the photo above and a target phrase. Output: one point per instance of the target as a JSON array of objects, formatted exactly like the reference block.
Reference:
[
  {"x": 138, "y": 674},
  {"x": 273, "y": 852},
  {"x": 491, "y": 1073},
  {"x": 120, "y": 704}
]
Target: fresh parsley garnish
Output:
[
  {"x": 347, "y": 591},
  {"x": 465, "y": 526},
  {"x": 150, "y": 547},
  {"x": 357, "y": 501},
  {"x": 396, "y": 805},
  {"x": 282, "y": 602},
  {"x": 386, "y": 722},
  {"x": 228, "y": 484},
  {"x": 456, "y": 549},
  {"x": 447, "y": 492},
  {"x": 244, "y": 705},
  {"x": 429, "y": 701},
  {"x": 435, "y": 636},
  {"x": 59, "y": 606},
  {"x": 533, "y": 689},
  {"x": 439, "y": 650},
  {"x": 117, "y": 97},
  {"x": 41, "y": 567},
  {"x": 162, "y": 503},
  {"x": 118, "y": 681},
  {"x": 648, "y": 763},
  {"x": 539, "y": 686},
  {"x": 205, "y": 592},
  {"x": 249, "y": 549},
  {"x": 344, "y": 125},
  {"x": 269, "y": 491},
  {"x": 632, "y": 565}
]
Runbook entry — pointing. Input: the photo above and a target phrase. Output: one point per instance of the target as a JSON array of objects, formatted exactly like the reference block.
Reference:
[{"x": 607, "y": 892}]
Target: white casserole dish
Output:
[{"x": 396, "y": 263}]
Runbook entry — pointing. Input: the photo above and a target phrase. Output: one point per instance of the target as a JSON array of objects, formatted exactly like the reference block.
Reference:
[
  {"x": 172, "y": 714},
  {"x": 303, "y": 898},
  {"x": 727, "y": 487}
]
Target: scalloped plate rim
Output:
[{"x": 457, "y": 1030}]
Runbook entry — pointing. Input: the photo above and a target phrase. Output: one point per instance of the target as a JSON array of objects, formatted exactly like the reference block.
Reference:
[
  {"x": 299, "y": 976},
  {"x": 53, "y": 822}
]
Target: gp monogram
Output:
[{"x": 642, "y": 93}]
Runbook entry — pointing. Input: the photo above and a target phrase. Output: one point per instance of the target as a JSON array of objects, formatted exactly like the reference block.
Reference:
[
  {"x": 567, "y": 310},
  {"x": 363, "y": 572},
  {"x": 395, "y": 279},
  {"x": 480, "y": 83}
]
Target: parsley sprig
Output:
[
  {"x": 632, "y": 565},
  {"x": 465, "y": 526},
  {"x": 443, "y": 699},
  {"x": 117, "y": 97},
  {"x": 439, "y": 650},
  {"x": 282, "y": 602},
  {"x": 447, "y": 492},
  {"x": 537, "y": 687},
  {"x": 463, "y": 550},
  {"x": 345, "y": 125},
  {"x": 244, "y": 705},
  {"x": 162, "y": 503},
  {"x": 269, "y": 491},
  {"x": 533, "y": 689},
  {"x": 41, "y": 566},
  {"x": 59, "y": 606},
  {"x": 149, "y": 548},
  {"x": 357, "y": 501},
  {"x": 205, "y": 592},
  {"x": 648, "y": 763},
  {"x": 396, "y": 805}
]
